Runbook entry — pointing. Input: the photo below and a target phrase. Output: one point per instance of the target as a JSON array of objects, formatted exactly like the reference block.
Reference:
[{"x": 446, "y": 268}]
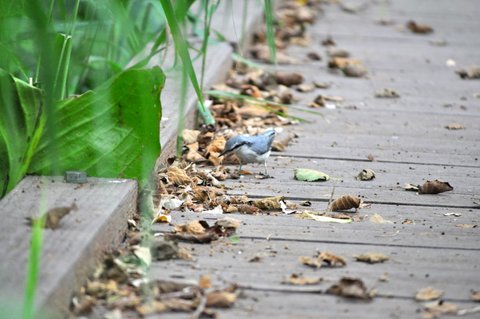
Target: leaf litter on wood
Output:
[
  {"x": 419, "y": 28},
  {"x": 350, "y": 288},
  {"x": 323, "y": 259},
  {"x": 51, "y": 219},
  {"x": 347, "y": 202},
  {"x": 372, "y": 257},
  {"x": 428, "y": 294},
  {"x": 301, "y": 280},
  {"x": 430, "y": 187},
  {"x": 366, "y": 174}
]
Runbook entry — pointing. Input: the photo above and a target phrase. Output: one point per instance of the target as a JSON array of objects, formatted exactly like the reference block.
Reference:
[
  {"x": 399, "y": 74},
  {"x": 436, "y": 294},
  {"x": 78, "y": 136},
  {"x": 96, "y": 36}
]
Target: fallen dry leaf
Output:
[
  {"x": 341, "y": 63},
  {"x": 322, "y": 85},
  {"x": 366, "y": 175},
  {"x": 419, "y": 28},
  {"x": 470, "y": 73},
  {"x": 407, "y": 221},
  {"x": 190, "y": 136},
  {"x": 455, "y": 126},
  {"x": 335, "y": 52},
  {"x": 438, "y": 308},
  {"x": 194, "y": 227},
  {"x": 434, "y": 187},
  {"x": 221, "y": 299},
  {"x": 387, "y": 93},
  {"x": 346, "y": 202},
  {"x": 178, "y": 176},
  {"x": 51, "y": 219},
  {"x": 314, "y": 56},
  {"x": 205, "y": 282},
  {"x": 305, "y": 87},
  {"x": 288, "y": 79},
  {"x": 323, "y": 259},
  {"x": 372, "y": 257},
  {"x": 350, "y": 288},
  {"x": 428, "y": 293},
  {"x": 162, "y": 218},
  {"x": 354, "y": 71},
  {"x": 268, "y": 203},
  {"x": 300, "y": 280}
]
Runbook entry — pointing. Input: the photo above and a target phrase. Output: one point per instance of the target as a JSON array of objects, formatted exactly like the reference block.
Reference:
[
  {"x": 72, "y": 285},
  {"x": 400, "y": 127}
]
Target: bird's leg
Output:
[
  {"x": 240, "y": 166},
  {"x": 265, "y": 165}
]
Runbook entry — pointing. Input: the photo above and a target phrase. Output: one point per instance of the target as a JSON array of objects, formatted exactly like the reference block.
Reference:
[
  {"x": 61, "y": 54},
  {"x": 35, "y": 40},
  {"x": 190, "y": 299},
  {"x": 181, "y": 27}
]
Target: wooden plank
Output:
[
  {"x": 408, "y": 269},
  {"x": 70, "y": 252},
  {"x": 430, "y": 228}
]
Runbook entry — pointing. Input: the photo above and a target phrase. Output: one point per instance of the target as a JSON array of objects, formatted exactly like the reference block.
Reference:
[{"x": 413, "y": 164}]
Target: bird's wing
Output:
[{"x": 235, "y": 142}]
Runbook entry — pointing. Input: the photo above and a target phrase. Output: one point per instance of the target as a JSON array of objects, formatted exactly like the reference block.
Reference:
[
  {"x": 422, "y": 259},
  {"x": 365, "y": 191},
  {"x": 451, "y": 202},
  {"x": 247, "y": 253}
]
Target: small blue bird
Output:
[{"x": 251, "y": 149}]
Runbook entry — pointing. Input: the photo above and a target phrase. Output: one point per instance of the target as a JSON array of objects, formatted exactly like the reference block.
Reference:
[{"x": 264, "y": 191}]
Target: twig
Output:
[{"x": 200, "y": 308}]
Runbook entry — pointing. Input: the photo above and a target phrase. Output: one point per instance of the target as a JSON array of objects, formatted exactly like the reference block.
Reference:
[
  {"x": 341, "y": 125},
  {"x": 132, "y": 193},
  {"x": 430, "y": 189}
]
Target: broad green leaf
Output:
[
  {"x": 21, "y": 123},
  {"x": 110, "y": 132},
  {"x": 310, "y": 175}
]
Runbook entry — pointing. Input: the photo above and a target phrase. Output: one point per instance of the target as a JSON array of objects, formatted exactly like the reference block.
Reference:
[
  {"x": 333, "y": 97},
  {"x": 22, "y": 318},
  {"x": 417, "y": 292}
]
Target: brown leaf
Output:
[
  {"x": 300, "y": 280},
  {"x": 346, "y": 202},
  {"x": 341, "y": 63},
  {"x": 438, "y": 308},
  {"x": 427, "y": 294},
  {"x": 350, "y": 288},
  {"x": 434, "y": 187},
  {"x": 288, "y": 78},
  {"x": 328, "y": 42},
  {"x": 366, "y": 175},
  {"x": 221, "y": 299},
  {"x": 323, "y": 259},
  {"x": 193, "y": 227},
  {"x": 354, "y": 71},
  {"x": 407, "y": 221},
  {"x": 205, "y": 282},
  {"x": 228, "y": 222},
  {"x": 268, "y": 203},
  {"x": 470, "y": 73},
  {"x": 337, "y": 53},
  {"x": 178, "y": 176},
  {"x": 372, "y": 257},
  {"x": 419, "y": 28},
  {"x": 251, "y": 90},
  {"x": 52, "y": 216},
  {"x": 387, "y": 93},
  {"x": 248, "y": 111},
  {"x": 455, "y": 126},
  {"x": 247, "y": 209},
  {"x": 190, "y": 136},
  {"x": 305, "y": 87},
  {"x": 314, "y": 56}
]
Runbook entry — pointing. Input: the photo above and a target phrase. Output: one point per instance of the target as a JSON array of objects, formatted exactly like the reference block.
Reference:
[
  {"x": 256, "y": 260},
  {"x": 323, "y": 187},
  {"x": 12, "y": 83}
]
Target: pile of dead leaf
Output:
[
  {"x": 294, "y": 17},
  {"x": 122, "y": 289}
]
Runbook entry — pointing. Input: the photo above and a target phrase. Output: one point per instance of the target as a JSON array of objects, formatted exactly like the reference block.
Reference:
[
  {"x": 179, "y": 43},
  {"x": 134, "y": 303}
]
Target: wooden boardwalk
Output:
[{"x": 410, "y": 144}]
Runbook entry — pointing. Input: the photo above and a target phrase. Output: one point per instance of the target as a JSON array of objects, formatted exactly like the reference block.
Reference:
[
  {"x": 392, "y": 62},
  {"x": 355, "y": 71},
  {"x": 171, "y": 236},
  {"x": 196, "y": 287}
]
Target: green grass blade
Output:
[
  {"x": 33, "y": 269},
  {"x": 270, "y": 30},
  {"x": 182, "y": 49}
]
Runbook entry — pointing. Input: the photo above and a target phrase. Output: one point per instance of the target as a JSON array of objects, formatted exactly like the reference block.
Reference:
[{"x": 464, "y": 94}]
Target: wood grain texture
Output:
[{"x": 70, "y": 252}]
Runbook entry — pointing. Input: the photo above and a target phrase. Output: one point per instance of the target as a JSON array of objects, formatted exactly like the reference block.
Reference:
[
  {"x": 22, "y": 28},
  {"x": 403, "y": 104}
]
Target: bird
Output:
[{"x": 251, "y": 148}]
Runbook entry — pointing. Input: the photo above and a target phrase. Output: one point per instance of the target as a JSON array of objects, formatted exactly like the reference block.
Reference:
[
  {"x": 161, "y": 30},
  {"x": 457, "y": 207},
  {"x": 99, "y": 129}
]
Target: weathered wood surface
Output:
[
  {"x": 408, "y": 139},
  {"x": 70, "y": 252}
]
